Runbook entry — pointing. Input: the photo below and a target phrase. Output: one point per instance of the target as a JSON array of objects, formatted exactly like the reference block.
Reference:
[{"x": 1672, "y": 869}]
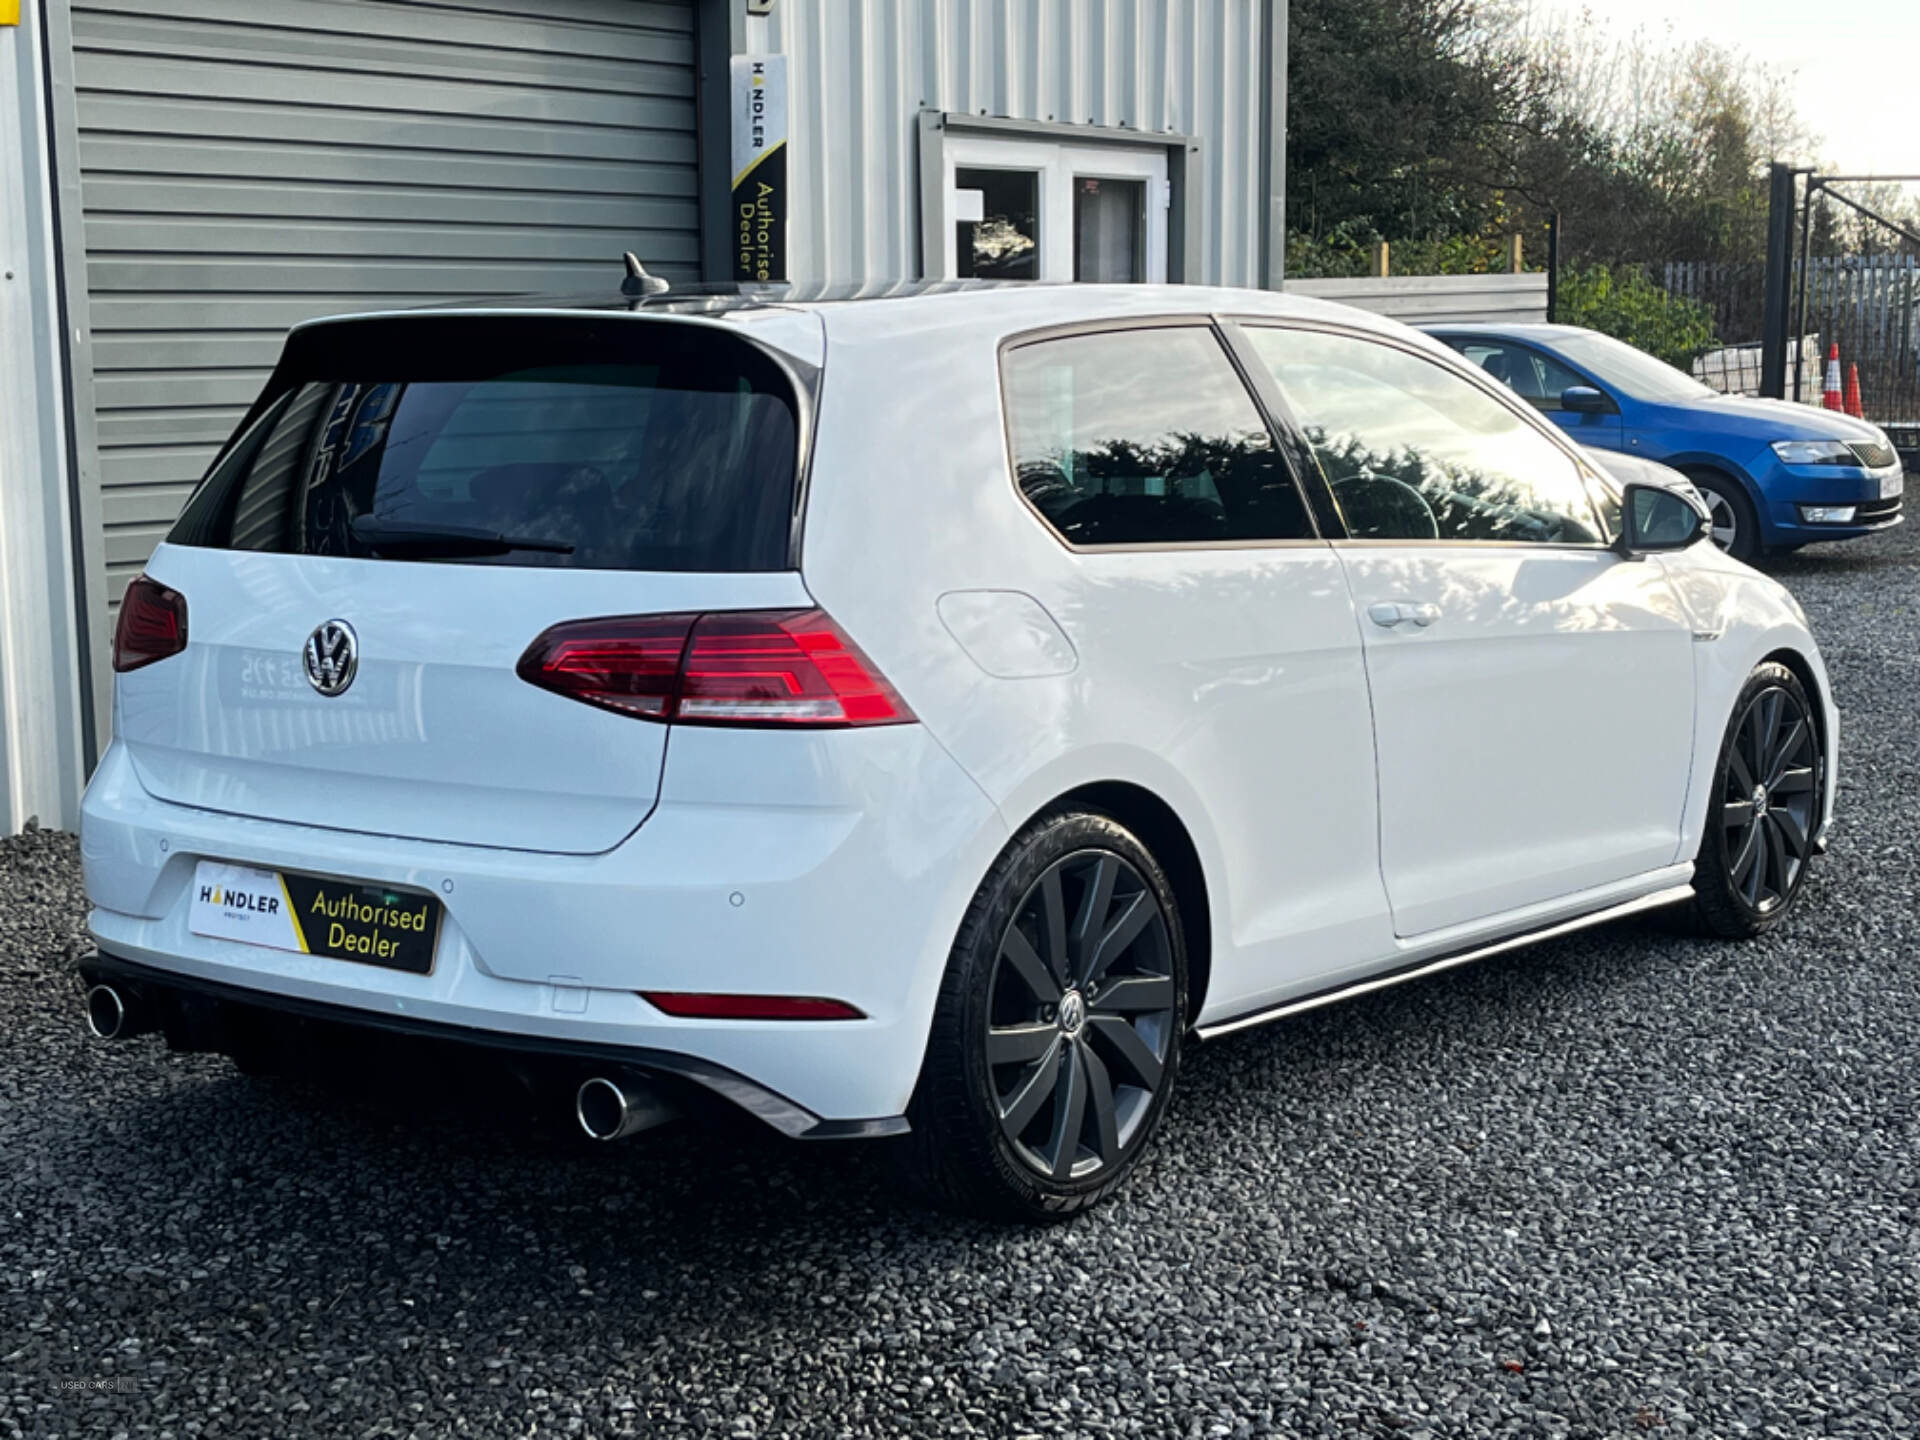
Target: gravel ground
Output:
[{"x": 1627, "y": 1184}]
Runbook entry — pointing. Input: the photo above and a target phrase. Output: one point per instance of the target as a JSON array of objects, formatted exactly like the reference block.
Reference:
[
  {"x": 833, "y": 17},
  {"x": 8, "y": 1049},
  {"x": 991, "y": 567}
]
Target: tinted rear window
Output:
[{"x": 602, "y": 444}]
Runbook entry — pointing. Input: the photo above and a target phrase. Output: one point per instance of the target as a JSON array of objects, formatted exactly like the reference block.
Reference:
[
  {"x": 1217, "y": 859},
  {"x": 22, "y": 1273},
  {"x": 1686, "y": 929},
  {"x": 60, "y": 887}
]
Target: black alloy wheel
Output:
[
  {"x": 1057, "y": 1033},
  {"x": 1080, "y": 1015},
  {"x": 1766, "y": 807}
]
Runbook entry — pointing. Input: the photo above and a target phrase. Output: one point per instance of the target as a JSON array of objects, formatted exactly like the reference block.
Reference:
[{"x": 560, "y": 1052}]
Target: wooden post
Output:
[
  {"x": 1514, "y": 264},
  {"x": 1378, "y": 265}
]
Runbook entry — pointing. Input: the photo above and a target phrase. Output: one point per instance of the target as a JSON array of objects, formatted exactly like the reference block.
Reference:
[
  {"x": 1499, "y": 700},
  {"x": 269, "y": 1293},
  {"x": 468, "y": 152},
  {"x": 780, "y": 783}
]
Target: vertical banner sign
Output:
[{"x": 759, "y": 167}]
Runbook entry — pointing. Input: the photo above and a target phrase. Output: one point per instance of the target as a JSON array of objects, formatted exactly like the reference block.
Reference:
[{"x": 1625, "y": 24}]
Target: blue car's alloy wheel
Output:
[{"x": 1735, "y": 528}]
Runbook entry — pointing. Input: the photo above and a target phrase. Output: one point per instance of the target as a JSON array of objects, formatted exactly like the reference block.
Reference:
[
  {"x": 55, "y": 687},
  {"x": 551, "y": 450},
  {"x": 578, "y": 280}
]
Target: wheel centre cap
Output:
[
  {"x": 1759, "y": 801},
  {"x": 1073, "y": 1013}
]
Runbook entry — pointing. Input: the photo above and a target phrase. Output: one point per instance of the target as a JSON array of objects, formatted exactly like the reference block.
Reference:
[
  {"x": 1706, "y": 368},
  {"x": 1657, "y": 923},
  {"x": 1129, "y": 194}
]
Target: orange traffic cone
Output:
[
  {"x": 1830, "y": 396},
  {"x": 1853, "y": 393}
]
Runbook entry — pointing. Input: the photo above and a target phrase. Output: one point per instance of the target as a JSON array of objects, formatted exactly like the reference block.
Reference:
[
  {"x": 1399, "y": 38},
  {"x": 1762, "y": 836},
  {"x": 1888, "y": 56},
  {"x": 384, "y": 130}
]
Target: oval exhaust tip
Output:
[
  {"x": 601, "y": 1107},
  {"x": 106, "y": 1012}
]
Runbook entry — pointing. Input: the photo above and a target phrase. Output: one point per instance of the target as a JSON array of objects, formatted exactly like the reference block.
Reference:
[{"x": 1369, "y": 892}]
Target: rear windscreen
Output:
[{"x": 609, "y": 444}]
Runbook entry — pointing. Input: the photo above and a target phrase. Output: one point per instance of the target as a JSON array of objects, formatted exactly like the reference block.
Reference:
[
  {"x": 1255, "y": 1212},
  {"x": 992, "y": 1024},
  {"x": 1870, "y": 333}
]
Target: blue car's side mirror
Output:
[{"x": 1585, "y": 400}]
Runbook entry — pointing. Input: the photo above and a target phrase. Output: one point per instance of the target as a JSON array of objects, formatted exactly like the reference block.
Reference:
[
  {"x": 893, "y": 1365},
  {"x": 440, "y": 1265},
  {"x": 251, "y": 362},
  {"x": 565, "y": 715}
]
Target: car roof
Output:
[{"x": 1007, "y": 307}]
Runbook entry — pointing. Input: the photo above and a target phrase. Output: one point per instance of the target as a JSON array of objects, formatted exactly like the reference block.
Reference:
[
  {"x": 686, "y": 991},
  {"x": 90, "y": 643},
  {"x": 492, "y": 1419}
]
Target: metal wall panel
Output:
[
  {"x": 861, "y": 71},
  {"x": 246, "y": 164},
  {"x": 42, "y": 734},
  {"x": 1432, "y": 299}
]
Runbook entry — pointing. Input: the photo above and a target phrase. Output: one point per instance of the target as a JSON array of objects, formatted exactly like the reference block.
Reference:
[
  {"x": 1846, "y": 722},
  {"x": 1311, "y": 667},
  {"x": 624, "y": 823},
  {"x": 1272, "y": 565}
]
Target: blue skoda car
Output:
[{"x": 1775, "y": 475}]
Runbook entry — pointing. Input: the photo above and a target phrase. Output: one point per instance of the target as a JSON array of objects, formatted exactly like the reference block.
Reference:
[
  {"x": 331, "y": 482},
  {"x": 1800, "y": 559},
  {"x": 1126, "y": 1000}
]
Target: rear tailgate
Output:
[
  {"x": 445, "y": 488},
  {"x": 436, "y": 738}
]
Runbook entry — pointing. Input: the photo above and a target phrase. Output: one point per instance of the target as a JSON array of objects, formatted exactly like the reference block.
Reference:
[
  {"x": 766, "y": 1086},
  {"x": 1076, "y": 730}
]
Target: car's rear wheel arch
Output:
[{"x": 1163, "y": 832}]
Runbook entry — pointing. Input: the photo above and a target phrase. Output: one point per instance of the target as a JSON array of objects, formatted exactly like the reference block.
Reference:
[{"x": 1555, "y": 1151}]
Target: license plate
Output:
[
  {"x": 1892, "y": 485},
  {"x": 340, "y": 919}
]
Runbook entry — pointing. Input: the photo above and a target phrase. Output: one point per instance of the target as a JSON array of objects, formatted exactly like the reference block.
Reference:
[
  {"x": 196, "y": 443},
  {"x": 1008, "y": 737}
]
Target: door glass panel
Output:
[
  {"x": 1146, "y": 437},
  {"x": 1004, "y": 244},
  {"x": 1415, "y": 452},
  {"x": 1536, "y": 378},
  {"x": 1109, "y": 230}
]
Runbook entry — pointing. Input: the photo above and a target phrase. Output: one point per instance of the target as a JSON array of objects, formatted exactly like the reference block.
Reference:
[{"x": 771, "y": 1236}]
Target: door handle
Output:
[{"x": 1389, "y": 613}]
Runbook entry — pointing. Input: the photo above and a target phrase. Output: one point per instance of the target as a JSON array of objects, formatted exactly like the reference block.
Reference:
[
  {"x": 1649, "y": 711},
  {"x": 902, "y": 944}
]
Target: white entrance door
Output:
[{"x": 1043, "y": 210}]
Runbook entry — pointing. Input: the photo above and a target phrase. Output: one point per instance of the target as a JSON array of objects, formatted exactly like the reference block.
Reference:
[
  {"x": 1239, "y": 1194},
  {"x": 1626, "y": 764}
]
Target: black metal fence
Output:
[
  {"x": 1838, "y": 275},
  {"x": 1869, "y": 307},
  {"x": 1730, "y": 299}
]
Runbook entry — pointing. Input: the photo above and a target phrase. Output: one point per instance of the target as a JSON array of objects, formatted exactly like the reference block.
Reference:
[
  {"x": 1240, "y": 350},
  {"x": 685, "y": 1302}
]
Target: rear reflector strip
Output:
[
  {"x": 688, "y": 1006},
  {"x": 766, "y": 668}
]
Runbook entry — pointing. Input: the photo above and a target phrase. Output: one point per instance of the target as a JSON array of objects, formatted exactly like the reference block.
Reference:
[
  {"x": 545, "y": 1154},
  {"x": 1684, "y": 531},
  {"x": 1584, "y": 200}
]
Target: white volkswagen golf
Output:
[{"x": 917, "y": 716}]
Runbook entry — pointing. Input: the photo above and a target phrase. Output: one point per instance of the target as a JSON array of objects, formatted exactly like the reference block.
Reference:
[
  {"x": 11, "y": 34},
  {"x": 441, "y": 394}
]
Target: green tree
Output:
[
  {"x": 1388, "y": 105},
  {"x": 1624, "y": 303},
  {"x": 1443, "y": 123}
]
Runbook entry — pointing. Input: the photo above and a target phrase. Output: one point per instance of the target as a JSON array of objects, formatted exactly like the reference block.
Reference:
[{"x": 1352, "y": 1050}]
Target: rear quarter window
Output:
[
  {"x": 598, "y": 444},
  {"x": 1145, "y": 436}
]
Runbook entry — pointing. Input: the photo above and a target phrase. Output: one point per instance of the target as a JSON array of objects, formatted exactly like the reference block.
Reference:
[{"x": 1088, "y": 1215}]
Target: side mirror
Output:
[
  {"x": 1585, "y": 400},
  {"x": 1654, "y": 518}
]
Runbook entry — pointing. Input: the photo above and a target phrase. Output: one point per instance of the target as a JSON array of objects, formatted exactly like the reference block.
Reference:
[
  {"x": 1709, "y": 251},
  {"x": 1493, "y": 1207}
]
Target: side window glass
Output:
[
  {"x": 1412, "y": 451},
  {"x": 1552, "y": 380},
  {"x": 1537, "y": 378},
  {"x": 1144, "y": 437}
]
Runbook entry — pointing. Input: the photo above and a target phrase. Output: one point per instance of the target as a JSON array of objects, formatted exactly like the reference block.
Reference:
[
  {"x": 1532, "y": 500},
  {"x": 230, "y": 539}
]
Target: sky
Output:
[{"x": 1853, "y": 63}]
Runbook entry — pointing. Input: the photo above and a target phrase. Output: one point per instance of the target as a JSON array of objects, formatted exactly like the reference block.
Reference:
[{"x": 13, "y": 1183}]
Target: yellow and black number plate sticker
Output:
[
  {"x": 340, "y": 919},
  {"x": 376, "y": 926}
]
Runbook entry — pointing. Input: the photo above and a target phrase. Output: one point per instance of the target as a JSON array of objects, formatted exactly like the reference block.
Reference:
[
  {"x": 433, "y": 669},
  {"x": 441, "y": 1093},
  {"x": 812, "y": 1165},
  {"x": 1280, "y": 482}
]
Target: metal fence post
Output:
[
  {"x": 1806, "y": 277},
  {"x": 1773, "y": 324},
  {"x": 1553, "y": 269}
]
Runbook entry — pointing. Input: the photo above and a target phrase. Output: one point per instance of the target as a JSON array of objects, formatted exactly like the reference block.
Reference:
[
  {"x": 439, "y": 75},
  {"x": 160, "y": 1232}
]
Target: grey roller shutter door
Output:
[{"x": 246, "y": 164}]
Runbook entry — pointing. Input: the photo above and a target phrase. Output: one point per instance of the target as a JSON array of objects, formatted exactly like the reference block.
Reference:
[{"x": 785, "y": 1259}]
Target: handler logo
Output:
[
  {"x": 226, "y": 897},
  {"x": 759, "y": 167}
]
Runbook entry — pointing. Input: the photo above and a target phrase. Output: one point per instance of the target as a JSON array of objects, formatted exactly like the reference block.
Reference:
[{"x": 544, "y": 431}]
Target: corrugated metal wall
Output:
[
  {"x": 42, "y": 759},
  {"x": 246, "y": 164},
  {"x": 1430, "y": 299},
  {"x": 861, "y": 71}
]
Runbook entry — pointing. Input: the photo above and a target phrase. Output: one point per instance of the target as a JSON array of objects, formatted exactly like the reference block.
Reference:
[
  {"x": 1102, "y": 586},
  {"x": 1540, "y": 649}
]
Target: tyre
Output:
[
  {"x": 1764, "y": 809},
  {"x": 1736, "y": 528},
  {"x": 1056, "y": 1037}
]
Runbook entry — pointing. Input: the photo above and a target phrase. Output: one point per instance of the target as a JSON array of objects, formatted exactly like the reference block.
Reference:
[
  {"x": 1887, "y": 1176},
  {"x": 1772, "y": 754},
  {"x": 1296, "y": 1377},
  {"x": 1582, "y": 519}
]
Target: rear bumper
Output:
[
  {"x": 159, "y": 990},
  {"x": 837, "y": 864}
]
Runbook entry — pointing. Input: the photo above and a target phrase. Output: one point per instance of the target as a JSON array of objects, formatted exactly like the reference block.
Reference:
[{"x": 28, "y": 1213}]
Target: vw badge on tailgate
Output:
[{"x": 332, "y": 656}]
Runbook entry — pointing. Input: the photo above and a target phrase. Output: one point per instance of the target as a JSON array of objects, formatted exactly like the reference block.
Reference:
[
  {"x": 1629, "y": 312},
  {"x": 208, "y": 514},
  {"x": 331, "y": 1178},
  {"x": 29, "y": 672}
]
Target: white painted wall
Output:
[{"x": 41, "y": 765}]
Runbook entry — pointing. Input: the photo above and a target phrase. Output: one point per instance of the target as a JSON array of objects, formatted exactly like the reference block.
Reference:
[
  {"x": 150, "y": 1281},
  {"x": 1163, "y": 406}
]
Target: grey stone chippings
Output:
[{"x": 1627, "y": 1184}]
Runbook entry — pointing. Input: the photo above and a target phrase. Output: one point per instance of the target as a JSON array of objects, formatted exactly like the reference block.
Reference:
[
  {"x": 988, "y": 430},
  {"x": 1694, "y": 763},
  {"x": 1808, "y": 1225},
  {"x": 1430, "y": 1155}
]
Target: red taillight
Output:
[
  {"x": 687, "y": 1006},
  {"x": 727, "y": 668},
  {"x": 631, "y": 665},
  {"x": 153, "y": 625}
]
